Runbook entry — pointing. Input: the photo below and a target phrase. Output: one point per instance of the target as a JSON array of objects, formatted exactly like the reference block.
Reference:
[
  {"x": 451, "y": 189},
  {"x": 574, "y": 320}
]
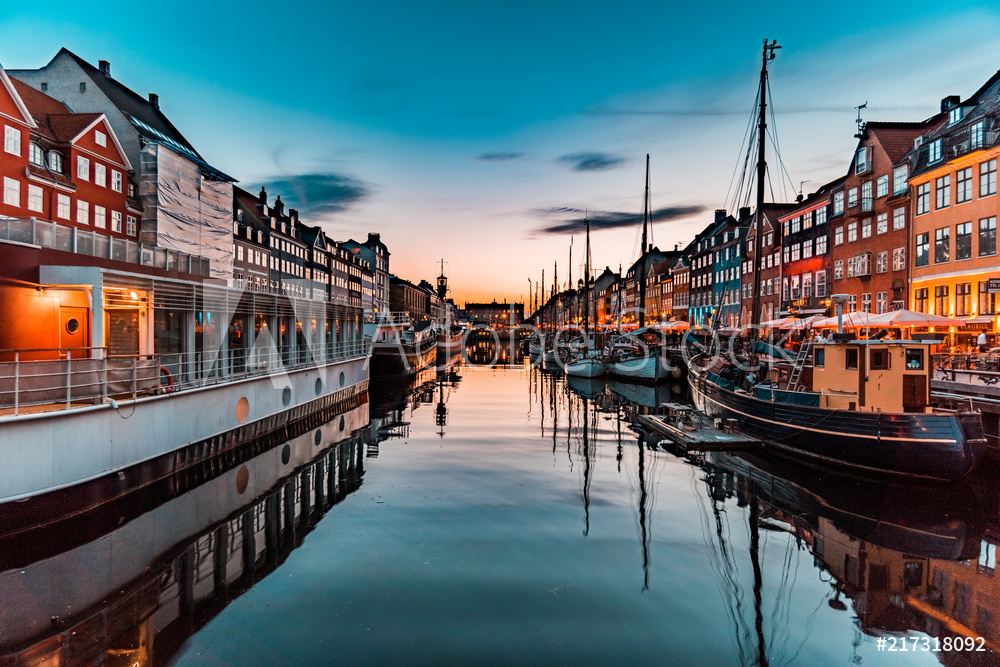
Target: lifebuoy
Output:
[{"x": 170, "y": 379}]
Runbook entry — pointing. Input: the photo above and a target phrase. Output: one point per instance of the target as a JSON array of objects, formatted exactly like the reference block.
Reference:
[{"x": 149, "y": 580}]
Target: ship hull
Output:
[
  {"x": 642, "y": 369},
  {"x": 924, "y": 445},
  {"x": 401, "y": 358}
]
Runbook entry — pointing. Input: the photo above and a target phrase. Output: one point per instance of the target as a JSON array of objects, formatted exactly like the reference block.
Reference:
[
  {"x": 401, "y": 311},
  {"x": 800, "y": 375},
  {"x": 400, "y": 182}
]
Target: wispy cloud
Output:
[
  {"x": 572, "y": 219},
  {"x": 318, "y": 194},
  {"x": 499, "y": 157},
  {"x": 592, "y": 161}
]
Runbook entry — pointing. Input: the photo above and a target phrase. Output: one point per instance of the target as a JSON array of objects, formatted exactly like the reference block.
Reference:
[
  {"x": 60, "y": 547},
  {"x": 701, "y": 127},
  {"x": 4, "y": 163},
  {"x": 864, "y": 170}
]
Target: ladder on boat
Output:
[{"x": 805, "y": 353}]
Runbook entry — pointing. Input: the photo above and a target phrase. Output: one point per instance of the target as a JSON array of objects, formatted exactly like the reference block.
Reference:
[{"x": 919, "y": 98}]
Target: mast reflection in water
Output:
[{"x": 508, "y": 515}]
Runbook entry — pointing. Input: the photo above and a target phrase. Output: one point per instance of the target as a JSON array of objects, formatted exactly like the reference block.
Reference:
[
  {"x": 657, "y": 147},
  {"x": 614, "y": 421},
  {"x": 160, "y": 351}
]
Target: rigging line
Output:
[
  {"x": 747, "y": 134},
  {"x": 777, "y": 150}
]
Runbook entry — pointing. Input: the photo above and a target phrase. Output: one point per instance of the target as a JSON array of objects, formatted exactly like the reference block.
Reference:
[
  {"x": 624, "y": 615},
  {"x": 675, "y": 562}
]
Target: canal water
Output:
[{"x": 502, "y": 515}]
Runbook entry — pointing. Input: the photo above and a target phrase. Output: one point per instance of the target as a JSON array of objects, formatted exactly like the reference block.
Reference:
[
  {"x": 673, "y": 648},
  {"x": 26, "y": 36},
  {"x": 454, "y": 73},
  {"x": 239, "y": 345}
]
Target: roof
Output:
[
  {"x": 40, "y": 106},
  {"x": 896, "y": 139}
]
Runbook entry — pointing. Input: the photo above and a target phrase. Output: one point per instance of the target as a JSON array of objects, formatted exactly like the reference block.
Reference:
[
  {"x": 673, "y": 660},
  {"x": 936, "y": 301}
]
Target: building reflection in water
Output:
[
  {"x": 394, "y": 401},
  {"x": 135, "y": 591},
  {"x": 903, "y": 558}
]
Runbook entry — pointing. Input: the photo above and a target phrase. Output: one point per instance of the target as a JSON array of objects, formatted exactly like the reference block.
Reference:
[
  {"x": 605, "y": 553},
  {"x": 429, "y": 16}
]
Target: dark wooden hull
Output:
[
  {"x": 401, "y": 358},
  {"x": 932, "y": 446},
  {"x": 448, "y": 346}
]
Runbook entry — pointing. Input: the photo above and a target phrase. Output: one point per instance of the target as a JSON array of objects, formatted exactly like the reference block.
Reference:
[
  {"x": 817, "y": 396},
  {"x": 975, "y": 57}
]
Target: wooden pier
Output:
[{"x": 694, "y": 431}]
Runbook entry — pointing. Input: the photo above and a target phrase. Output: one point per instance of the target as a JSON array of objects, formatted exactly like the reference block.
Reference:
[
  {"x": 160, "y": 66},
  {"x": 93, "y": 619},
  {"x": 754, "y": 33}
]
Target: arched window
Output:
[{"x": 36, "y": 155}]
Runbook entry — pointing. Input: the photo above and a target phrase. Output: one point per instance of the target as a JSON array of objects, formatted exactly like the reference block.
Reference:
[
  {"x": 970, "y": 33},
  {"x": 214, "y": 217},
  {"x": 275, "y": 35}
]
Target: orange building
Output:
[{"x": 955, "y": 207}]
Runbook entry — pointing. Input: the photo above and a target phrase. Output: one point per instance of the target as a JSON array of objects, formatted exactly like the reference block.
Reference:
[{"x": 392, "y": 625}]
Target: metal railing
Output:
[
  {"x": 94, "y": 244},
  {"x": 62, "y": 378}
]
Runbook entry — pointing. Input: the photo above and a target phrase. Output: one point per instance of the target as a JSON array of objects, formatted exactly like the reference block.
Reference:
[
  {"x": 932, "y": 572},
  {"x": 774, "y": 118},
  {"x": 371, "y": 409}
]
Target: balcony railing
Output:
[
  {"x": 65, "y": 378},
  {"x": 93, "y": 244}
]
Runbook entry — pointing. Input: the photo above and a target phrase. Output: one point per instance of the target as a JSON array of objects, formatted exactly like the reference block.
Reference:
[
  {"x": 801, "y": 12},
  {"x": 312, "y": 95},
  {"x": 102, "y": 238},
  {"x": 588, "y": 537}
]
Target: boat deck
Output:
[{"x": 694, "y": 431}]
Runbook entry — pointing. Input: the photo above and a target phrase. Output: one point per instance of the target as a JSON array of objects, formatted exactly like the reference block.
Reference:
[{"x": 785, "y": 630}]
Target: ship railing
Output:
[
  {"x": 46, "y": 234},
  {"x": 42, "y": 379}
]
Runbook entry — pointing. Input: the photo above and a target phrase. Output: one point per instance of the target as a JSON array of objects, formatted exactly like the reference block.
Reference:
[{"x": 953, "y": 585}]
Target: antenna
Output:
[
  {"x": 801, "y": 183},
  {"x": 861, "y": 123}
]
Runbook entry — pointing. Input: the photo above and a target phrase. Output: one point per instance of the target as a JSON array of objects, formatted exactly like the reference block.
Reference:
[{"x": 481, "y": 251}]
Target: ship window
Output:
[
  {"x": 851, "y": 359},
  {"x": 819, "y": 357},
  {"x": 914, "y": 360},
  {"x": 880, "y": 360}
]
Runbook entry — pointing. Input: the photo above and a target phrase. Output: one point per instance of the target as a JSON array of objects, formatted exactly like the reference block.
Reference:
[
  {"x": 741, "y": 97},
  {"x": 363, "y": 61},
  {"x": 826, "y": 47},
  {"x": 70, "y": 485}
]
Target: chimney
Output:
[
  {"x": 949, "y": 102},
  {"x": 279, "y": 207},
  {"x": 720, "y": 214},
  {"x": 293, "y": 214},
  {"x": 154, "y": 99},
  {"x": 262, "y": 196},
  {"x": 744, "y": 213},
  {"x": 105, "y": 67},
  {"x": 374, "y": 239}
]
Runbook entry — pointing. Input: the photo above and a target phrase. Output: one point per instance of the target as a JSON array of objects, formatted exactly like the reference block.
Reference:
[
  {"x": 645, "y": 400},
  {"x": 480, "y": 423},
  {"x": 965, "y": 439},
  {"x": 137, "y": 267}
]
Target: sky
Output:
[{"x": 482, "y": 133}]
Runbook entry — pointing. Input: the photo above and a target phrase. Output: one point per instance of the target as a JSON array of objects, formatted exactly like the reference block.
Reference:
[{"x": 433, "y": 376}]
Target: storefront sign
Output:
[{"x": 994, "y": 286}]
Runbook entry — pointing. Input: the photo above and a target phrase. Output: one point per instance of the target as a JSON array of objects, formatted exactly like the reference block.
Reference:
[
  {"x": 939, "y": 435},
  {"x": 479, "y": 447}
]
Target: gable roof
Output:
[
  {"x": 896, "y": 139},
  {"x": 9, "y": 84}
]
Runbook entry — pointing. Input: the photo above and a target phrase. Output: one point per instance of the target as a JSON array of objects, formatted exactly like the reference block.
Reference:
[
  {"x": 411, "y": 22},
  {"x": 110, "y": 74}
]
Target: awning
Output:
[{"x": 980, "y": 320}]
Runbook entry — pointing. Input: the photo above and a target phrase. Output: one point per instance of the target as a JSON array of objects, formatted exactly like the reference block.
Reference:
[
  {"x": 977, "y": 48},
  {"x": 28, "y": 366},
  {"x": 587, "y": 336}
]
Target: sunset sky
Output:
[{"x": 479, "y": 133}]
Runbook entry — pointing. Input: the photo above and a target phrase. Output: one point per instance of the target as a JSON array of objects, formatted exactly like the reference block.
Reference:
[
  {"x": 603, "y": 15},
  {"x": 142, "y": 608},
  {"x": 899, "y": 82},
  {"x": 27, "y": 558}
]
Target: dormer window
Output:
[
  {"x": 239, "y": 215},
  {"x": 934, "y": 151},
  {"x": 236, "y": 229},
  {"x": 954, "y": 115},
  {"x": 36, "y": 155},
  {"x": 55, "y": 162}
]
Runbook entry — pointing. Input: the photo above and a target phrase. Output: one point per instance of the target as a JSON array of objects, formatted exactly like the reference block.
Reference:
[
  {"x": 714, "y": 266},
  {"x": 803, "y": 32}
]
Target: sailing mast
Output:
[
  {"x": 586, "y": 283},
  {"x": 642, "y": 255},
  {"x": 755, "y": 314}
]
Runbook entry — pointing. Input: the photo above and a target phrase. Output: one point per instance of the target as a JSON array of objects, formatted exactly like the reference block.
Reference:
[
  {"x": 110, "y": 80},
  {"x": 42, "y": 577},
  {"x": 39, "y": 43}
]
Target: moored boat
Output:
[{"x": 403, "y": 348}]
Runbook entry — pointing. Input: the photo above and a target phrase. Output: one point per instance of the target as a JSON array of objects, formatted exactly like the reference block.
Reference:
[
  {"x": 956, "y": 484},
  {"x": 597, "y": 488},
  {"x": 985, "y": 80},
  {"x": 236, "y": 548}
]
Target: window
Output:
[
  {"x": 838, "y": 269},
  {"x": 796, "y": 224},
  {"x": 820, "y": 284},
  {"x": 796, "y": 248},
  {"x": 116, "y": 221},
  {"x": 821, "y": 216},
  {"x": 880, "y": 359},
  {"x": 963, "y": 299},
  {"x": 62, "y": 206},
  {"x": 861, "y": 163},
  {"x": 988, "y": 236},
  {"x": 963, "y": 240},
  {"x": 130, "y": 225},
  {"x": 807, "y": 249},
  {"x": 82, "y": 168},
  {"x": 838, "y": 236},
  {"x": 100, "y": 217},
  {"x": 920, "y": 300},
  {"x": 795, "y": 288},
  {"x": 881, "y": 303},
  {"x": 987, "y": 301},
  {"x": 882, "y": 223},
  {"x": 82, "y": 212},
  {"x": 943, "y": 190},
  {"x": 819, "y": 357},
  {"x": 898, "y": 218},
  {"x": 787, "y": 253},
  {"x": 784, "y": 289},
  {"x": 976, "y": 135},
  {"x": 866, "y": 228},
  {"x": 838, "y": 203},
  {"x": 35, "y": 201},
  {"x": 807, "y": 220},
  {"x": 116, "y": 180},
  {"x": 866, "y": 196},
  {"x": 866, "y": 303},
  {"x": 55, "y": 162},
  {"x": 923, "y": 198},
  {"x": 899, "y": 259},
  {"x": 941, "y": 300},
  {"x": 934, "y": 151},
  {"x": 131, "y": 190},
  {"x": 100, "y": 175},
  {"x": 988, "y": 178},
  {"x": 852, "y": 198},
  {"x": 915, "y": 359},
  {"x": 807, "y": 287},
  {"x": 851, "y": 359},
  {"x": 12, "y": 140},
  {"x": 882, "y": 262},
  {"x": 11, "y": 192},
  {"x": 899, "y": 176},
  {"x": 922, "y": 254},
  {"x": 882, "y": 186},
  {"x": 100, "y": 138},
  {"x": 36, "y": 155},
  {"x": 852, "y": 232},
  {"x": 942, "y": 245},
  {"x": 821, "y": 245},
  {"x": 963, "y": 185}
]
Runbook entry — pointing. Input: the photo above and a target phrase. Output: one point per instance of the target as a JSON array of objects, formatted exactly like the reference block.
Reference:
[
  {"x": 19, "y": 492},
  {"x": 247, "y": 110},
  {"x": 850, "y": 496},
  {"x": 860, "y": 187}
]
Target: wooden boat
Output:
[
  {"x": 402, "y": 348},
  {"x": 449, "y": 342},
  {"x": 862, "y": 405},
  {"x": 588, "y": 362}
]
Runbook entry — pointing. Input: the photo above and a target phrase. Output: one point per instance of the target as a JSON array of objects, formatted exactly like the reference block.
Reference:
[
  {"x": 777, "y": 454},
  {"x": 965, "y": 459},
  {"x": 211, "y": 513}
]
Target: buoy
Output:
[
  {"x": 170, "y": 379},
  {"x": 676, "y": 372}
]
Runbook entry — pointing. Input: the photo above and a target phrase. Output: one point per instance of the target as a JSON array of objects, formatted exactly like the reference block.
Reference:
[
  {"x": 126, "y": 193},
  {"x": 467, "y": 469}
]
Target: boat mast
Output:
[
  {"x": 586, "y": 282},
  {"x": 768, "y": 56},
  {"x": 642, "y": 255}
]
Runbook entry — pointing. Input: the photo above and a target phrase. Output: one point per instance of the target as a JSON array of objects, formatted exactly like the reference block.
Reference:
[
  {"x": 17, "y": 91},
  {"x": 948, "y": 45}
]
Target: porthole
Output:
[
  {"x": 73, "y": 325},
  {"x": 319, "y": 386},
  {"x": 242, "y": 409},
  {"x": 342, "y": 422},
  {"x": 343, "y": 379},
  {"x": 286, "y": 454},
  {"x": 286, "y": 396},
  {"x": 318, "y": 438},
  {"x": 242, "y": 479}
]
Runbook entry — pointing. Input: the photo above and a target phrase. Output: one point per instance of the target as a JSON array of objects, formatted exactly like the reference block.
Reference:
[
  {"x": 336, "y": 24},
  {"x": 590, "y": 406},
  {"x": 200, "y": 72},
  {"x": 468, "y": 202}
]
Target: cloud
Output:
[
  {"x": 573, "y": 219},
  {"x": 499, "y": 157},
  {"x": 317, "y": 194},
  {"x": 592, "y": 161}
]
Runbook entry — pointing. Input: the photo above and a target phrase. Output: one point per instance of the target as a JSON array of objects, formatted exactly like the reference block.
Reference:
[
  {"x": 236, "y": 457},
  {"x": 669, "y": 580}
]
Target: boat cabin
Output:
[{"x": 873, "y": 375}]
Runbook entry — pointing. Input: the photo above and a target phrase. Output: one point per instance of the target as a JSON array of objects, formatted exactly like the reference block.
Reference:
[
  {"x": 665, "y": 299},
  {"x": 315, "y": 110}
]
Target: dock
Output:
[{"x": 694, "y": 431}]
